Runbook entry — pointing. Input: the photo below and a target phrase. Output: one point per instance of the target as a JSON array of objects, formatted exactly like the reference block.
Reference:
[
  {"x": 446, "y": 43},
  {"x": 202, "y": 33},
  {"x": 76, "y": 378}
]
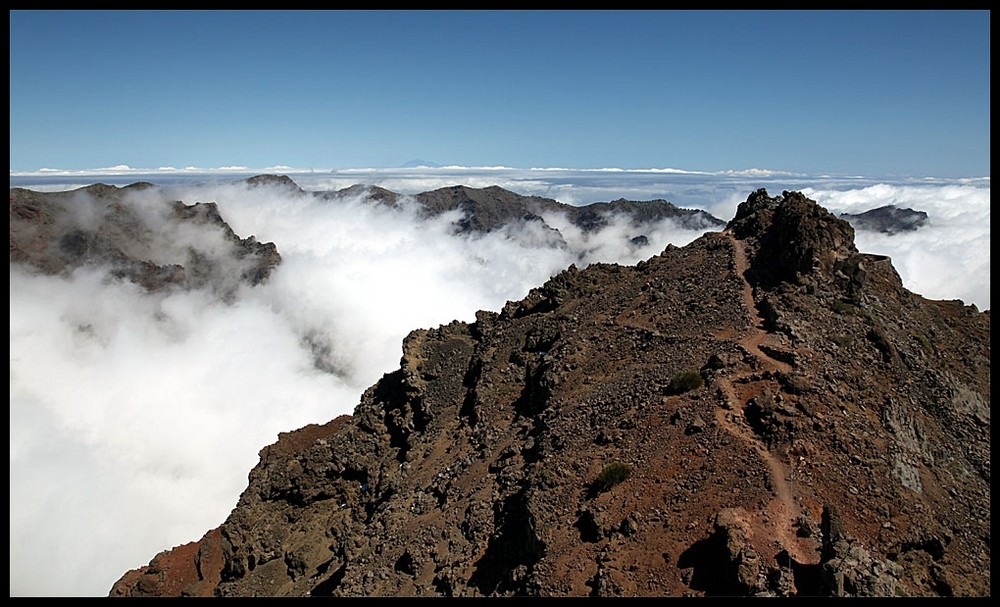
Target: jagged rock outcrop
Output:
[
  {"x": 792, "y": 240},
  {"x": 847, "y": 569},
  {"x": 155, "y": 245},
  {"x": 785, "y": 419}
]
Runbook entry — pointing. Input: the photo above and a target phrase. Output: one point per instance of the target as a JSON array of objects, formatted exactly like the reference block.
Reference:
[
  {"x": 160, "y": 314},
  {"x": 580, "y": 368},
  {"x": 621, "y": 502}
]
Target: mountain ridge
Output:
[{"x": 786, "y": 426}]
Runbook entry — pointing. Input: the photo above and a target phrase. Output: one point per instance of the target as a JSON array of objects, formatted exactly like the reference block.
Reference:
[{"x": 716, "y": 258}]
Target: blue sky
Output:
[{"x": 851, "y": 92}]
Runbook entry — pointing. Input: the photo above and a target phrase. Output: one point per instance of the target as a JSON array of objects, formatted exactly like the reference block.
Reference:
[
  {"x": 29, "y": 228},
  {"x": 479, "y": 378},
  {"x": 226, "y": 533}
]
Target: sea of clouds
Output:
[{"x": 136, "y": 417}]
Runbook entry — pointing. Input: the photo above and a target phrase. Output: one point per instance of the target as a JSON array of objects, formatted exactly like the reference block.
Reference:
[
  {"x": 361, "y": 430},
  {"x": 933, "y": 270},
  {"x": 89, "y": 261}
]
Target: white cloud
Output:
[{"x": 155, "y": 402}]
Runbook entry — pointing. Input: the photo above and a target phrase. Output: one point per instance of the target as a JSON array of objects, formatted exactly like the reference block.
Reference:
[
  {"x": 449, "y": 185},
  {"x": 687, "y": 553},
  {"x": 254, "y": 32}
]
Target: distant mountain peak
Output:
[
  {"x": 887, "y": 219},
  {"x": 416, "y": 163},
  {"x": 274, "y": 180}
]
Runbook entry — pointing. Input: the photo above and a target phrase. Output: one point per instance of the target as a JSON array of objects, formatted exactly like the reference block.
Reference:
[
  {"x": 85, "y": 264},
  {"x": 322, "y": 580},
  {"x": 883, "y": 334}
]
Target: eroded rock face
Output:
[{"x": 836, "y": 441}]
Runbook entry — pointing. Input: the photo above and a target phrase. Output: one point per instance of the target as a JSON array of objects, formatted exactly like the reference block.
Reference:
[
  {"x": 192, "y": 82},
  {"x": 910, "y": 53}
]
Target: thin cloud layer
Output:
[{"x": 136, "y": 417}]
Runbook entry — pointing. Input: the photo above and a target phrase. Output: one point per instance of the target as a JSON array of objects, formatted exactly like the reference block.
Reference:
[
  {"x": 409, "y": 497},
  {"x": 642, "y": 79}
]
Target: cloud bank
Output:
[
  {"x": 136, "y": 417},
  {"x": 947, "y": 259}
]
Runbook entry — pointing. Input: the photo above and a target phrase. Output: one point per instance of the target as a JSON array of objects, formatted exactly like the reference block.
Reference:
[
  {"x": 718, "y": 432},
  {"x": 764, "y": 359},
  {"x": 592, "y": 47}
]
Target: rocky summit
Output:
[{"x": 765, "y": 411}]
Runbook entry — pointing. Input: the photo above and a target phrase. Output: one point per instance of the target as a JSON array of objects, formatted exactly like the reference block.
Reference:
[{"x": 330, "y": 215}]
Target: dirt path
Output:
[
  {"x": 752, "y": 340},
  {"x": 783, "y": 510}
]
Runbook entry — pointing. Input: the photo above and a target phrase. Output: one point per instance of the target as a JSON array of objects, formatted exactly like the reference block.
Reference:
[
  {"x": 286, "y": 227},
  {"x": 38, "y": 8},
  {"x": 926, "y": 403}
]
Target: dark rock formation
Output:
[
  {"x": 887, "y": 219},
  {"x": 374, "y": 193},
  {"x": 838, "y": 443},
  {"x": 487, "y": 209},
  {"x": 155, "y": 245},
  {"x": 279, "y": 181},
  {"x": 597, "y": 215},
  {"x": 493, "y": 208}
]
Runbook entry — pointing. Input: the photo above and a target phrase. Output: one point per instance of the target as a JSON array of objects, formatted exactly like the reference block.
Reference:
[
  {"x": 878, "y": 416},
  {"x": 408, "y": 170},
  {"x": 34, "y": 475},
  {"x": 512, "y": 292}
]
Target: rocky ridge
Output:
[
  {"x": 765, "y": 411},
  {"x": 57, "y": 232},
  {"x": 492, "y": 208},
  {"x": 155, "y": 245}
]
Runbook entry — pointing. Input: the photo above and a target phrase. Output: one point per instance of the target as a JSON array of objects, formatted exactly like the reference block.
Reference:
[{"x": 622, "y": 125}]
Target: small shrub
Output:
[
  {"x": 924, "y": 342},
  {"x": 843, "y": 341},
  {"x": 685, "y": 381},
  {"x": 612, "y": 474},
  {"x": 842, "y": 307}
]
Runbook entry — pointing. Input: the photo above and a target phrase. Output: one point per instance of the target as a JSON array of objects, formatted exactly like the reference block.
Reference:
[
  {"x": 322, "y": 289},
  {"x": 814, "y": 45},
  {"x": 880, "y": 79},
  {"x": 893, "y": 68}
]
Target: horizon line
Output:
[{"x": 124, "y": 170}]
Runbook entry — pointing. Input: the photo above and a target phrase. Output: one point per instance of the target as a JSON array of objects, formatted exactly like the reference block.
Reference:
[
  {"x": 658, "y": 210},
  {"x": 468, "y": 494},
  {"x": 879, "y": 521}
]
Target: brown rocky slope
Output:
[{"x": 765, "y": 411}]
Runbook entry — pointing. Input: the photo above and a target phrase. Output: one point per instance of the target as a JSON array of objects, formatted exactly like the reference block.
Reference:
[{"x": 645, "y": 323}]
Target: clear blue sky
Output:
[{"x": 865, "y": 92}]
